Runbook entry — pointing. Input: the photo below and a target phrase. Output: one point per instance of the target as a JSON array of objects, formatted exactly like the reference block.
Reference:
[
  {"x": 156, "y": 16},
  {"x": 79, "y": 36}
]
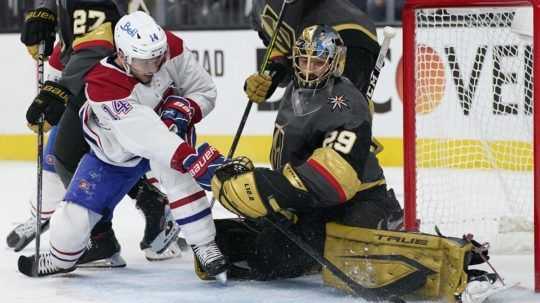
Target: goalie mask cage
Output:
[{"x": 471, "y": 162}]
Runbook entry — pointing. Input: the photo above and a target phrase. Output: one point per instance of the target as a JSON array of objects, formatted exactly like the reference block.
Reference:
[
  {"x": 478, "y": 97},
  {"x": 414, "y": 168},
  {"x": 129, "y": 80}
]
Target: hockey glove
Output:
[
  {"x": 50, "y": 102},
  {"x": 39, "y": 25},
  {"x": 179, "y": 115},
  {"x": 202, "y": 164},
  {"x": 259, "y": 87},
  {"x": 236, "y": 186}
]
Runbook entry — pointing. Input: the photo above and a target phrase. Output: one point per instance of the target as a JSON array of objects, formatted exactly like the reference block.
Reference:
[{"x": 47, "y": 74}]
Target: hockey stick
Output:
[
  {"x": 388, "y": 33},
  {"x": 261, "y": 70},
  {"x": 359, "y": 290},
  {"x": 41, "y": 58}
]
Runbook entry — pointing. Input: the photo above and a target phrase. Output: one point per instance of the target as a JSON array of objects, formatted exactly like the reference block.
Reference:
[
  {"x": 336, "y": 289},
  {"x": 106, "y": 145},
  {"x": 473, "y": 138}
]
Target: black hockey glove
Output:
[
  {"x": 39, "y": 25},
  {"x": 50, "y": 102}
]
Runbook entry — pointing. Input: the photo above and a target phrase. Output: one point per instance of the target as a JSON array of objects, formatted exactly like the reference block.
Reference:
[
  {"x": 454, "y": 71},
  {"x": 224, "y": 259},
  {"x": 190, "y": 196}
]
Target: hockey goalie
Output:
[{"x": 327, "y": 188}]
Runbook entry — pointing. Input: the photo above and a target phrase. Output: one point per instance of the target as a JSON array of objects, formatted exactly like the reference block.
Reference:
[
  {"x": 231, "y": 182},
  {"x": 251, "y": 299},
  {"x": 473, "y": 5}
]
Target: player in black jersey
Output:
[
  {"x": 85, "y": 28},
  {"x": 323, "y": 164},
  {"x": 326, "y": 186},
  {"x": 355, "y": 28}
]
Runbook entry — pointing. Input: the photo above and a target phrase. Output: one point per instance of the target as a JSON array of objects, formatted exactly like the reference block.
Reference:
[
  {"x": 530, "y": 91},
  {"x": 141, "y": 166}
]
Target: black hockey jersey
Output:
[
  {"x": 337, "y": 116},
  {"x": 76, "y": 21}
]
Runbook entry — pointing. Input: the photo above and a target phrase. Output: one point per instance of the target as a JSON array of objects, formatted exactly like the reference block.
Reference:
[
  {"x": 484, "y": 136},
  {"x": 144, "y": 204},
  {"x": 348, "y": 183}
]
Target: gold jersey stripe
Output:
[
  {"x": 102, "y": 33},
  {"x": 354, "y": 26}
]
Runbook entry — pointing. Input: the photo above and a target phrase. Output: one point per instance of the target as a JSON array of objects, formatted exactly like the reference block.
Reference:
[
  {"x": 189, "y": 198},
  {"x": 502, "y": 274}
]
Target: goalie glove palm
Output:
[{"x": 235, "y": 187}]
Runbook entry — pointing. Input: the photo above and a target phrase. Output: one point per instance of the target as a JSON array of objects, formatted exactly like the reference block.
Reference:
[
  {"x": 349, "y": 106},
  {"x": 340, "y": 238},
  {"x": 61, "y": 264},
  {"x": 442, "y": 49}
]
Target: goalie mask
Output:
[{"x": 318, "y": 55}]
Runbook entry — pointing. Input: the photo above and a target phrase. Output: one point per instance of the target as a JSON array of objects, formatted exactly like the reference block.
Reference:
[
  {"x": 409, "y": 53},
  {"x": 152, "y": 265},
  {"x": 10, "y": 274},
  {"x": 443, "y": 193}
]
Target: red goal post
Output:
[{"x": 428, "y": 156}]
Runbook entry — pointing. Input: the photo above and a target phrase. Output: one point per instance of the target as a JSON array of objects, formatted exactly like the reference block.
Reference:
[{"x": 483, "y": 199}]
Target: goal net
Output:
[{"x": 470, "y": 124}]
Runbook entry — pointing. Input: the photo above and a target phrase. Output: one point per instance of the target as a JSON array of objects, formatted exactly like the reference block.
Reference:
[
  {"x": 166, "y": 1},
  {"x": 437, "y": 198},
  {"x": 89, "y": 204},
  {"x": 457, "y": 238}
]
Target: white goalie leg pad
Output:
[
  {"x": 52, "y": 194},
  {"x": 70, "y": 228},
  {"x": 189, "y": 205}
]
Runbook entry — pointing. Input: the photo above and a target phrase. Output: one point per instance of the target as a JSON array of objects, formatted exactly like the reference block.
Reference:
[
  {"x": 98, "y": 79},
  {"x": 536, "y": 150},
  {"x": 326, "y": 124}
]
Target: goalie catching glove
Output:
[{"x": 256, "y": 192}]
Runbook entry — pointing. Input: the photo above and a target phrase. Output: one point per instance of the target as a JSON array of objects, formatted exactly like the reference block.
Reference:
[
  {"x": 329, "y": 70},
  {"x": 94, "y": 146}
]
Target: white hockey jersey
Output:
[{"x": 121, "y": 119}]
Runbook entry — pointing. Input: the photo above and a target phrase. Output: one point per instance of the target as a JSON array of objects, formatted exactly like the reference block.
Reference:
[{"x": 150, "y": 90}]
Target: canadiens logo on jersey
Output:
[
  {"x": 338, "y": 103},
  {"x": 121, "y": 107},
  {"x": 84, "y": 185}
]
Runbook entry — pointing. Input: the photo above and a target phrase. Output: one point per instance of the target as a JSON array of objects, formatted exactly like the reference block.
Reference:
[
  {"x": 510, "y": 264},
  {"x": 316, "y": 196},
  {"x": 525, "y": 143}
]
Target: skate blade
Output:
[
  {"x": 116, "y": 261},
  {"x": 164, "y": 239},
  {"x": 222, "y": 278},
  {"x": 22, "y": 243},
  {"x": 173, "y": 251},
  {"x": 479, "y": 298}
]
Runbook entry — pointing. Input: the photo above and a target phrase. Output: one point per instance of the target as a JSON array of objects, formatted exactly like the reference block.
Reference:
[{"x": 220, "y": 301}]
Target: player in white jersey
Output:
[{"x": 142, "y": 105}]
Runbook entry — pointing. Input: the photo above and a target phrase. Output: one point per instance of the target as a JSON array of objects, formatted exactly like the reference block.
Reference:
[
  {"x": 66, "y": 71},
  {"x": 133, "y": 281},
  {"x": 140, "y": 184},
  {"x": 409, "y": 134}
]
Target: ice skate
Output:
[
  {"x": 45, "y": 268},
  {"x": 25, "y": 233},
  {"x": 159, "y": 237},
  {"x": 211, "y": 262},
  {"x": 480, "y": 288},
  {"x": 103, "y": 250}
]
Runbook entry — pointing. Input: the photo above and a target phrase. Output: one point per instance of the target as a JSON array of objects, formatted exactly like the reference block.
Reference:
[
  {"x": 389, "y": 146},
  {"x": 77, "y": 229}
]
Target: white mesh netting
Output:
[{"x": 474, "y": 126}]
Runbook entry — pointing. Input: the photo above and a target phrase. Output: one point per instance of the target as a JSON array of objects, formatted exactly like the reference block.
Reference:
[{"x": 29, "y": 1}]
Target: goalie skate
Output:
[
  {"x": 480, "y": 291},
  {"x": 46, "y": 267},
  {"x": 25, "y": 233},
  {"x": 103, "y": 250}
]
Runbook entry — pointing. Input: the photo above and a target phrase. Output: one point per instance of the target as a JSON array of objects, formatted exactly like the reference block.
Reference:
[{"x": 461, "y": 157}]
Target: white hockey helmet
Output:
[{"x": 138, "y": 36}]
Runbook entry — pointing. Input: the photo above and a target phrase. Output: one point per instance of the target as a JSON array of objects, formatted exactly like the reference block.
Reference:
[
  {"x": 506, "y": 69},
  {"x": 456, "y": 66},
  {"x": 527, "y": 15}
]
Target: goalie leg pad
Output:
[{"x": 397, "y": 263}]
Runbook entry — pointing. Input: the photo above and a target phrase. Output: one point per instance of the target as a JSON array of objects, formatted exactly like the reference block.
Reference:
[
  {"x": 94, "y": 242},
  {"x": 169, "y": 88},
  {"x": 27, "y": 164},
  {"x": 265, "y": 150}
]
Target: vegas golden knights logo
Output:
[
  {"x": 286, "y": 35},
  {"x": 277, "y": 146}
]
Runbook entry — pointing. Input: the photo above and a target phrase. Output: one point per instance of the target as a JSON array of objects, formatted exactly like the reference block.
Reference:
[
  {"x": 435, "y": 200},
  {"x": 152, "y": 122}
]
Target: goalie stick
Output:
[
  {"x": 41, "y": 59},
  {"x": 261, "y": 70}
]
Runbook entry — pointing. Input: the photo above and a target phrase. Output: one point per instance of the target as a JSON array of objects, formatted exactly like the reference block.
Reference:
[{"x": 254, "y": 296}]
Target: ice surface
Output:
[{"x": 173, "y": 280}]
